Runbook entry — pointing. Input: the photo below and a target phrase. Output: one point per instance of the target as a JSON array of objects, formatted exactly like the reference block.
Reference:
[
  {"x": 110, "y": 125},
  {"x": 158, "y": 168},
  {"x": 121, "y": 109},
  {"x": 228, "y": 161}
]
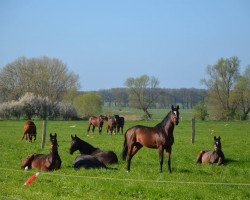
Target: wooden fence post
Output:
[
  {"x": 44, "y": 133},
  {"x": 193, "y": 130}
]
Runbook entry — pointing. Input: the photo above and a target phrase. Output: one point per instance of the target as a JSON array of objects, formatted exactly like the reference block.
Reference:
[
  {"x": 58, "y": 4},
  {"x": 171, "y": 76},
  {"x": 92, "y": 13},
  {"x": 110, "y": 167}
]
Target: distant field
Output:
[{"x": 187, "y": 181}]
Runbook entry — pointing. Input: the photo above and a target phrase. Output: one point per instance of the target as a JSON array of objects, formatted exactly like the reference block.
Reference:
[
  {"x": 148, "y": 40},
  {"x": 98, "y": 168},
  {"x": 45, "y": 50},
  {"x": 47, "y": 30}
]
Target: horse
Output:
[
  {"x": 111, "y": 121},
  {"x": 96, "y": 122},
  {"x": 158, "y": 137},
  {"x": 119, "y": 123},
  {"x": 45, "y": 162},
  {"x": 87, "y": 162},
  {"x": 106, "y": 157},
  {"x": 29, "y": 131},
  {"x": 215, "y": 156}
]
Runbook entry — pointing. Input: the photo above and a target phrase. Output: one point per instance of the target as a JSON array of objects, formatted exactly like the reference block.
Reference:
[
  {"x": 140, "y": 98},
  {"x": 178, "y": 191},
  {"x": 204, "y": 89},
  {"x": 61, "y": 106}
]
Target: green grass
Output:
[{"x": 187, "y": 181}]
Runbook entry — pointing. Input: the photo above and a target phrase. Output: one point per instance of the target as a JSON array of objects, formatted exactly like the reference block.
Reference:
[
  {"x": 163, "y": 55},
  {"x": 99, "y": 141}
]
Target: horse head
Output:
[
  {"x": 175, "y": 114},
  {"x": 217, "y": 143},
  {"x": 74, "y": 144}
]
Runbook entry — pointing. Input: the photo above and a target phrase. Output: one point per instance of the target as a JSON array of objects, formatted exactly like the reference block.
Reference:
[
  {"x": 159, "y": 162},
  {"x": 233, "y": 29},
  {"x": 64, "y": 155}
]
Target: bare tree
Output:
[
  {"x": 143, "y": 92},
  {"x": 47, "y": 77}
]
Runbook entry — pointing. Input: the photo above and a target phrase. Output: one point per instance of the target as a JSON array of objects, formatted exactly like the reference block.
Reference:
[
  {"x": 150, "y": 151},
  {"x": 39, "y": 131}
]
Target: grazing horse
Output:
[
  {"x": 111, "y": 121},
  {"x": 215, "y": 156},
  {"x": 158, "y": 137},
  {"x": 29, "y": 131},
  {"x": 46, "y": 162},
  {"x": 106, "y": 157},
  {"x": 96, "y": 122},
  {"x": 119, "y": 123}
]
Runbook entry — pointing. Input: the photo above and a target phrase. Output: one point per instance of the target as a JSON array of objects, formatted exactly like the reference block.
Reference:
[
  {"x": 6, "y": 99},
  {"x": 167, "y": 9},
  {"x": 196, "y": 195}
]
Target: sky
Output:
[{"x": 106, "y": 42}]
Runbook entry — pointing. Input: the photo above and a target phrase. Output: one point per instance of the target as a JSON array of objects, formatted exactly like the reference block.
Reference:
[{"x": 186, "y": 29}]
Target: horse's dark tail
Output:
[{"x": 125, "y": 147}]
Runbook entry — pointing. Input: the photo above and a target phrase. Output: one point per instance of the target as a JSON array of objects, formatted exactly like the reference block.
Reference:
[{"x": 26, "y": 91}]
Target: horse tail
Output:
[
  {"x": 125, "y": 147},
  {"x": 199, "y": 157},
  {"x": 27, "y": 162}
]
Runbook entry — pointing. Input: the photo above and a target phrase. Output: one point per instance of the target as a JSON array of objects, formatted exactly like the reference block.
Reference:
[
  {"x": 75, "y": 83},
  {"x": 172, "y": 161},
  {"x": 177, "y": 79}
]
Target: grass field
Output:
[{"x": 187, "y": 181}]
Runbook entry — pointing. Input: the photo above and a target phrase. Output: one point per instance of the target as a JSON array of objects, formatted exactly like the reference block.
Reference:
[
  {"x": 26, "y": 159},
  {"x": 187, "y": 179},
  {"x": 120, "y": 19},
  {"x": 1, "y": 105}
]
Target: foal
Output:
[
  {"x": 45, "y": 162},
  {"x": 215, "y": 156}
]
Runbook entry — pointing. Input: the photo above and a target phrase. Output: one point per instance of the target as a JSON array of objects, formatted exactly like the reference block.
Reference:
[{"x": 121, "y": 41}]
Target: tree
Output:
[
  {"x": 221, "y": 79},
  {"x": 241, "y": 94},
  {"x": 47, "y": 77},
  {"x": 88, "y": 104},
  {"x": 200, "y": 111},
  {"x": 143, "y": 92}
]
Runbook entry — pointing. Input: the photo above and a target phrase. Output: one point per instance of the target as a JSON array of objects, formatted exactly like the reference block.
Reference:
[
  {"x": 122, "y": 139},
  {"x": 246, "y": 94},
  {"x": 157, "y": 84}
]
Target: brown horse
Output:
[
  {"x": 215, "y": 156},
  {"x": 111, "y": 127},
  {"x": 158, "y": 137},
  {"x": 46, "y": 162},
  {"x": 29, "y": 131},
  {"x": 119, "y": 123},
  {"x": 96, "y": 122}
]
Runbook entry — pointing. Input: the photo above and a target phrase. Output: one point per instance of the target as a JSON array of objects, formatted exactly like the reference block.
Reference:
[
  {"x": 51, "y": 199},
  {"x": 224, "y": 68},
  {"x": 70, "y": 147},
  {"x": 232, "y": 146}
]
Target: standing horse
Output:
[
  {"x": 111, "y": 127},
  {"x": 46, "y": 162},
  {"x": 119, "y": 123},
  {"x": 158, "y": 137},
  {"x": 96, "y": 122},
  {"x": 215, "y": 156},
  {"x": 106, "y": 157},
  {"x": 29, "y": 131}
]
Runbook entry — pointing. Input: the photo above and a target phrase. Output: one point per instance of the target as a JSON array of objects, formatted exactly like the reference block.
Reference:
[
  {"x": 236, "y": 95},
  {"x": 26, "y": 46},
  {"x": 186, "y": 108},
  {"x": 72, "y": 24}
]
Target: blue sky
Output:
[{"x": 106, "y": 42}]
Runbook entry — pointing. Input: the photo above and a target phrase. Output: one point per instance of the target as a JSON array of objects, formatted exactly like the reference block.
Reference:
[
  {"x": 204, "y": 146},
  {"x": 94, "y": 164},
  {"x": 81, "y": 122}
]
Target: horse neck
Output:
[
  {"x": 54, "y": 151},
  {"x": 167, "y": 125},
  {"x": 86, "y": 148}
]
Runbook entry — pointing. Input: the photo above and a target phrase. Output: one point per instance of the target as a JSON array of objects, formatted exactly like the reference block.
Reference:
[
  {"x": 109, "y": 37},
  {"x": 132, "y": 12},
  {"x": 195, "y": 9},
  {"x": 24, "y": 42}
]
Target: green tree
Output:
[
  {"x": 221, "y": 80},
  {"x": 88, "y": 104},
  {"x": 200, "y": 111},
  {"x": 241, "y": 94},
  {"x": 143, "y": 92}
]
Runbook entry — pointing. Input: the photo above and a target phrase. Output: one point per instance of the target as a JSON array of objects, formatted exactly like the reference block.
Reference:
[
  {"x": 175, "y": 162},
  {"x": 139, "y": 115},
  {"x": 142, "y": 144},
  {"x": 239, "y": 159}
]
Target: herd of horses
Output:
[{"x": 159, "y": 137}]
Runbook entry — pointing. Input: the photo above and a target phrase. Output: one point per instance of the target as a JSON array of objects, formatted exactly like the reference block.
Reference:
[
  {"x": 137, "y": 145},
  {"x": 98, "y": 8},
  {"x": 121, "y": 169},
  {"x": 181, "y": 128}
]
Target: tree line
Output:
[{"x": 227, "y": 93}]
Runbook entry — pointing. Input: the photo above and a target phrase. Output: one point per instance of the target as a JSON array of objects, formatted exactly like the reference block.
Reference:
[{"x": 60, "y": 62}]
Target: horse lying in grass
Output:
[
  {"x": 91, "y": 157},
  {"x": 215, "y": 156},
  {"x": 46, "y": 162}
]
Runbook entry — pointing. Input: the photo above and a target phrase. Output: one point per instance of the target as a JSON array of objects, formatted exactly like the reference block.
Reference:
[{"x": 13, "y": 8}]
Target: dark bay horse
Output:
[
  {"x": 106, "y": 157},
  {"x": 46, "y": 162},
  {"x": 96, "y": 122},
  {"x": 158, "y": 137},
  {"x": 87, "y": 162},
  {"x": 215, "y": 156},
  {"x": 29, "y": 131},
  {"x": 119, "y": 123}
]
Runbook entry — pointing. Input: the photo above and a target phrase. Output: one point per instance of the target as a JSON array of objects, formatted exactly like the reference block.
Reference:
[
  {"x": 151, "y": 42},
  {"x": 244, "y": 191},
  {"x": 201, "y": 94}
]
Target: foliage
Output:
[
  {"x": 88, "y": 104},
  {"x": 143, "y": 92},
  {"x": 221, "y": 80},
  {"x": 187, "y": 181},
  {"x": 200, "y": 111},
  {"x": 31, "y": 105},
  {"x": 47, "y": 77}
]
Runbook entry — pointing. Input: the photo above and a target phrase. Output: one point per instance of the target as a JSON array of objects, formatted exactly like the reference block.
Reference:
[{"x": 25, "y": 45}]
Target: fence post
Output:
[
  {"x": 44, "y": 133},
  {"x": 193, "y": 130}
]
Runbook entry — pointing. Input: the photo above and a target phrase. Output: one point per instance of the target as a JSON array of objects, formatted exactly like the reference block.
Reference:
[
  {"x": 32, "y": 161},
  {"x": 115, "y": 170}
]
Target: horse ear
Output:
[
  {"x": 219, "y": 138},
  {"x": 75, "y": 135},
  {"x": 172, "y": 107},
  {"x": 55, "y": 135},
  {"x": 72, "y": 137},
  {"x": 214, "y": 137},
  {"x": 50, "y": 135},
  {"x": 177, "y": 107}
]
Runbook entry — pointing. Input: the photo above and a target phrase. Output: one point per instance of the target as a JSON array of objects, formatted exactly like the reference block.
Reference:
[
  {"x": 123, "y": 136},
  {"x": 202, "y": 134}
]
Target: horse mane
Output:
[
  {"x": 87, "y": 146},
  {"x": 164, "y": 121}
]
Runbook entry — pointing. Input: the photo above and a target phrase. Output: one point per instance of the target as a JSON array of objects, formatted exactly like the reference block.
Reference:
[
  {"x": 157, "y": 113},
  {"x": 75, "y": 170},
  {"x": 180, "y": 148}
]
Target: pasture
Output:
[{"x": 187, "y": 181}]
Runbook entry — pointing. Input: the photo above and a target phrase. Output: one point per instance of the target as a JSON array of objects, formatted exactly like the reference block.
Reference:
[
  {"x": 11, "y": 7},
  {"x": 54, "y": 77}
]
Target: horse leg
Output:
[
  {"x": 131, "y": 152},
  {"x": 93, "y": 129},
  {"x": 100, "y": 129},
  {"x": 88, "y": 128},
  {"x": 24, "y": 134},
  {"x": 161, "y": 157},
  {"x": 168, "y": 151}
]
